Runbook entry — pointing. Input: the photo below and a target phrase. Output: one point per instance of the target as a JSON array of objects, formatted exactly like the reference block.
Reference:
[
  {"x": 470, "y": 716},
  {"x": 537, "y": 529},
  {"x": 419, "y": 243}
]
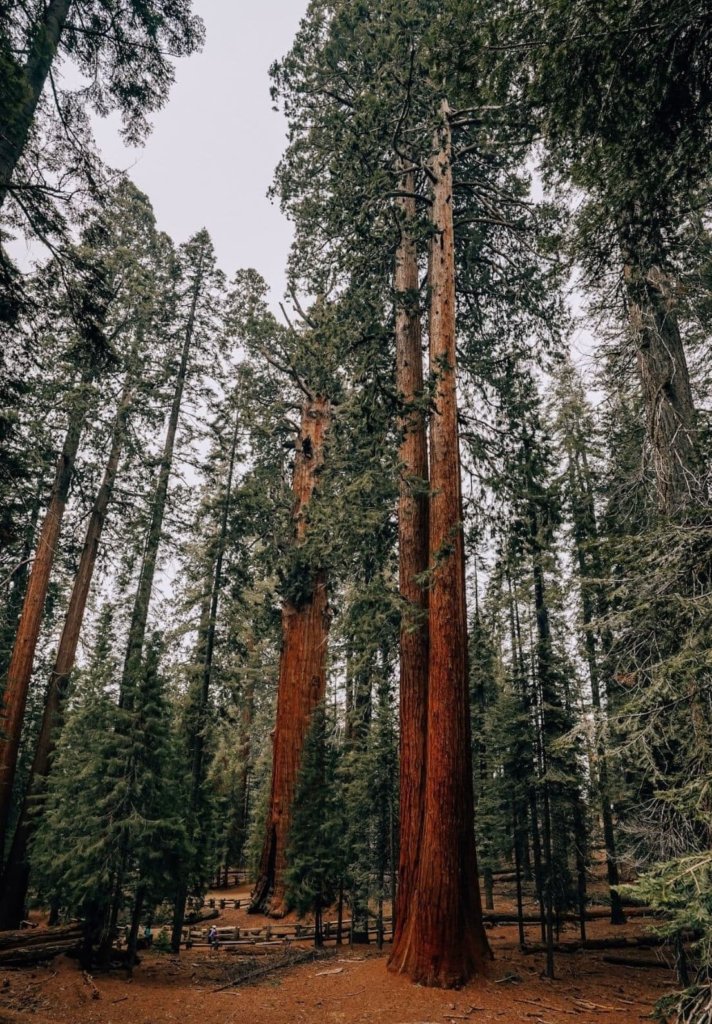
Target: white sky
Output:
[{"x": 212, "y": 152}]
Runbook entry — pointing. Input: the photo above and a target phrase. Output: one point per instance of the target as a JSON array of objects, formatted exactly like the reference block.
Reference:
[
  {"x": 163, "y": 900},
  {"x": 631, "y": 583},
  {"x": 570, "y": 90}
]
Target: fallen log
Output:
[
  {"x": 40, "y": 936},
  {"x": 591, "y": 915},
  {"x": 198, "y": 916},
  {"x": 622, "y": 961},
  {"x": 641, "y": 942},
  {"x": 30, "y": 955}
]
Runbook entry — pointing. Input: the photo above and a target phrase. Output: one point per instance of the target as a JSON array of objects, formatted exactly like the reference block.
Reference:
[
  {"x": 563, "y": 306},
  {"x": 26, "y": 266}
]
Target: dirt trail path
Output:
[{"x": 351, "y": 987}]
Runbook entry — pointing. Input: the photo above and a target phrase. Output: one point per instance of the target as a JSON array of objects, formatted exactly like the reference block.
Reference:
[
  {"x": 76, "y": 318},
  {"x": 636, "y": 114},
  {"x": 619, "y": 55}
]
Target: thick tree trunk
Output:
[
  {"x": 197, "y": 739},
  {"x": 413, "y": 558},
  {"x": 302, "y": 671},
  {"x": 671, "y": 419},
  {"x": 13, "y": 886},
  {"x": 142, "y": 601},
  {"x": 443, "y": 941},
  {"x": 19, "y": 672},
  {"x": 29, "y": 84}
]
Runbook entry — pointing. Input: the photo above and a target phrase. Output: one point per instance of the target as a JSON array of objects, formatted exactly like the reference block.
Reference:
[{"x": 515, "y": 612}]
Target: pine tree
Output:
[{"x": 314, "y": 843}]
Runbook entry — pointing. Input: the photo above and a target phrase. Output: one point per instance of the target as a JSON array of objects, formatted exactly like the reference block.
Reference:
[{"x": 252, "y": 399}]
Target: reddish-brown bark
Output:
[
  {"x": 302, "y": 670},
  {"x": 443, "y": 942},
  {"x": 13, "y": 887},
  {"x": 19, "y": 670},
  {"x": 413, "y": 557}
]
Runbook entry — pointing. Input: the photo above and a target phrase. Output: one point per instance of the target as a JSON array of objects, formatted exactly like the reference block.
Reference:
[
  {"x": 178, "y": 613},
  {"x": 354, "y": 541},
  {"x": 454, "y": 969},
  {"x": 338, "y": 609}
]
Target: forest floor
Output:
[{"x": 349, "y": 986}]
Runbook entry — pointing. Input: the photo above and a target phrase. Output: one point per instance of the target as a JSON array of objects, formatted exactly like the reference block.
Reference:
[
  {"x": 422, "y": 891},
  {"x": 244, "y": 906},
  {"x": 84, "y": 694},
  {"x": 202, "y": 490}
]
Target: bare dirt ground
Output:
[{"x": 350, "y": 986}]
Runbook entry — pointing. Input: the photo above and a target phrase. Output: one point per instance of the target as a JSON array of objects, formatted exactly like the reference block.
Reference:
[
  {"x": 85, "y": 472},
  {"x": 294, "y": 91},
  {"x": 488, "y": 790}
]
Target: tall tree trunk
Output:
[
  {"x": 547, "y": 700},
  {"x": 670, "y": 415},
  {"x": 238, "y": 832},
  {"x": 586, "y": 534},
  {"x": 197, "y": 739},
  {"x": 443, "y": 941},
  {"x": 20, "y": 576},
  {"x": 19, "y": 672},
  {"x": 302, "y": 670},
  {"x": 15, "y": 878},
  {"x": 413, "y": 557},
  {"x": 29, "y": 84},
  {"x": 142, "y": 601}
]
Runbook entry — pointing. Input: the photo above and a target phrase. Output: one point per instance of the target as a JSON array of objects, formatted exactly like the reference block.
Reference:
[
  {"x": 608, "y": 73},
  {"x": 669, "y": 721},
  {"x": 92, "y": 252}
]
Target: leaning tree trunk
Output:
[
  {"x": 665, "y": 382},
  {"x": 196, "y": 743},
  {"x": 15, "y": 877},
  {"x": 28, "y": 85},
  {"x": 19, "y": 578},
  {"x": 443, "y": 940},
  {"x": 413, "y": 557},
  {"x": 302, "y": 671},
  {"x": 142, "y": 600},
  {"x": 19, "y": 672}
]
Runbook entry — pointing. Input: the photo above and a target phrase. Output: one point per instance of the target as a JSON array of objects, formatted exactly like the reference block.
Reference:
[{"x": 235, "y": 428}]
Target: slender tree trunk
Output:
[
  {"x": 580, "y": 852},
  {"x": 136, "y": 912},
  {"x": 242, "y": 808},
  {"x": 19, "y": 671},
  {"x": 547, "y": 699},
  {"x": 443, "y": 941},
  {"x": 548, "y": 878},
  {"x": 29, "y": 85},
  {"x": 340, "y": 914},
  {"x": 302, "y": 670},
  {"x": 197, "y": 740},
  {"x": 671, "y": 419},
  {"x": 15, "y": 878},
  {"x": 517, "y": 844},
  {"x": 585, "y": 534},
  {"x": 139, "y": 617},
  {"x": 413, "y": 558}
]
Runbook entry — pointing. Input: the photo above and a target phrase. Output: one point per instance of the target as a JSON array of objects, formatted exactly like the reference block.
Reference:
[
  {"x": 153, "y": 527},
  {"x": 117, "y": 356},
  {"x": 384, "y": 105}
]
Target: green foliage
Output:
[
  {"x": 315, "y": 852},
  {"x": 112, "y": 813}
]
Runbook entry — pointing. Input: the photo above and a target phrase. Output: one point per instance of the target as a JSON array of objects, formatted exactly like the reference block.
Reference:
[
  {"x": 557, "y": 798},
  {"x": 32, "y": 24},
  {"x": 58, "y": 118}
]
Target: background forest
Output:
[{"x": 281, "y": 588}]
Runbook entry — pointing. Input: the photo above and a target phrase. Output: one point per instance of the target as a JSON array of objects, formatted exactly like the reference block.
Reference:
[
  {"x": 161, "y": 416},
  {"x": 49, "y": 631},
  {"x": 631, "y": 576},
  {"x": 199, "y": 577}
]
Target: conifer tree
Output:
[
  {"x": 315, "y": 839},
  {"x": 127, "y": 227},
  {"x": 88, "y": 351},
  {"x": 195, "y": 299}
]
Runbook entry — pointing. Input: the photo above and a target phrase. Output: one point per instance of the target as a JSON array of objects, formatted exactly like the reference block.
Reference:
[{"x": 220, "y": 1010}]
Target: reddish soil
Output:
[{"x": 167, "y": 989}]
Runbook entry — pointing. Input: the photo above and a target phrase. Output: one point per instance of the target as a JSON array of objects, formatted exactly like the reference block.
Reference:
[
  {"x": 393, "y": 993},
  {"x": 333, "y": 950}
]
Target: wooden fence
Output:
[{"x": 282, "y": 934}]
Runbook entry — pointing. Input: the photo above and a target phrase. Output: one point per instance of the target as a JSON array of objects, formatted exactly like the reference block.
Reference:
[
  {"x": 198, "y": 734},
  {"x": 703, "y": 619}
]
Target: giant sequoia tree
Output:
[{"x": 235, "y": 543}]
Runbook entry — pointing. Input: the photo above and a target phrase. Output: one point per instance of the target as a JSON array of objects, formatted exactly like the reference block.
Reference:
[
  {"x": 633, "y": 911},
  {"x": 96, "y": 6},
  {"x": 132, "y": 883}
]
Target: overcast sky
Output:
[{"x": 210, "y": 157}]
